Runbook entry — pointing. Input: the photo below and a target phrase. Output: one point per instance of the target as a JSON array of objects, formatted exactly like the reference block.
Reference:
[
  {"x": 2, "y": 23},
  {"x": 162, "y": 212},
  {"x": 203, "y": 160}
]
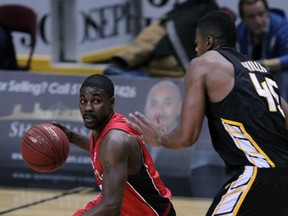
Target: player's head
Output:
[
  {"x": 96, "y": 100},
  {"x": 214, "y": 30},
  {"x": 254, "y": 14},
  {"x": 99, "y": 81},
  {"x": 164, "y": 97}
]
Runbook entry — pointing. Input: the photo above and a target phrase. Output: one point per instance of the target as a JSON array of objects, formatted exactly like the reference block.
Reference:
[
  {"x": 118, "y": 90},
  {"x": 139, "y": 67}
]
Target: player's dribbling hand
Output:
[
  {"x": 150, "y": 131},
  {"x": 67, "y": 131}
]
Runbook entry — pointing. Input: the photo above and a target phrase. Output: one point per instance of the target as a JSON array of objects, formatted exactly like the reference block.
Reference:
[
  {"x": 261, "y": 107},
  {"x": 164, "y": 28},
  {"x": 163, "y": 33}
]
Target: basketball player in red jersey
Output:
[
  {"x": 123, "y": 168},
  {"x": 247, "y": 119}
]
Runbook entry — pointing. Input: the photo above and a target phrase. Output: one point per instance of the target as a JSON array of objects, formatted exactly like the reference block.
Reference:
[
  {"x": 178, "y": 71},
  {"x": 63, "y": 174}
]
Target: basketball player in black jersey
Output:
[{"x": 246, "y": 117}]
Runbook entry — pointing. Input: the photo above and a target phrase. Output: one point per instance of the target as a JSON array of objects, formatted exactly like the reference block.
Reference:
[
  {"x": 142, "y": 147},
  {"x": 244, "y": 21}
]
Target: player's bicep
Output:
[
  {"x": 114, "y": 179},
  {"x": 114, "y": 159},
  {"x": 193, "y": 108}
]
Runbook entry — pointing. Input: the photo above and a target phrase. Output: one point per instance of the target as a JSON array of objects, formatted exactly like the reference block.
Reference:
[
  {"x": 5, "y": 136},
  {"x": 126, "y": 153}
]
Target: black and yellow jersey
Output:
[{"x": 248, "y": 126}]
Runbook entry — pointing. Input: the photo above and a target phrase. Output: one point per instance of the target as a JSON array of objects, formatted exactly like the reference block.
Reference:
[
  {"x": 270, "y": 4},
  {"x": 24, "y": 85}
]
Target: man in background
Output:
[
  {"x": 263, "y": 34},
  {"x": 164, "y": 97}
]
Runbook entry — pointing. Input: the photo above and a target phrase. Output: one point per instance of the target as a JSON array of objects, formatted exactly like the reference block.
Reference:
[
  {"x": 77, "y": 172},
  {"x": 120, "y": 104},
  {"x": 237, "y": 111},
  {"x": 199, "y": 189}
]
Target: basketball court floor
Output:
[{"x": 44, "y": 202}]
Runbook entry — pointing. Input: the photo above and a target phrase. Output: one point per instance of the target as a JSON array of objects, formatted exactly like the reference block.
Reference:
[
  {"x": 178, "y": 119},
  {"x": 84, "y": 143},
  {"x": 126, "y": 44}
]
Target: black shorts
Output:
[{"x": 253, "y": 192}]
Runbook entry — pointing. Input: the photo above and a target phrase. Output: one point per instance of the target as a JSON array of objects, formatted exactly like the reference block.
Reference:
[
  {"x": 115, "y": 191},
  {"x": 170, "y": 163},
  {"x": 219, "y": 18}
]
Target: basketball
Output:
[{"x": 45, "y": 147}]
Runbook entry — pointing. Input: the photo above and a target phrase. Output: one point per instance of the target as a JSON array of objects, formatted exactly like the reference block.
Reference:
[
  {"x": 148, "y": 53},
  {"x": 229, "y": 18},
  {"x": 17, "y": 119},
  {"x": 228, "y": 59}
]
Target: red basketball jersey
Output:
[{"x": 145, "y": 194}]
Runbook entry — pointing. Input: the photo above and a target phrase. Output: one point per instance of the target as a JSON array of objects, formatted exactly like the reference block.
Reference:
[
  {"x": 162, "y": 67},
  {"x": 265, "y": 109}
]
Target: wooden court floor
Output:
[{"x": 44, "y": 202}]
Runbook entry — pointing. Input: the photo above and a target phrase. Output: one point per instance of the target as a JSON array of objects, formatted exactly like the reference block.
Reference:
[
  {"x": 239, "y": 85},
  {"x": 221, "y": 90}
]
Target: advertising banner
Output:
[{"x": 29, "y": 99}]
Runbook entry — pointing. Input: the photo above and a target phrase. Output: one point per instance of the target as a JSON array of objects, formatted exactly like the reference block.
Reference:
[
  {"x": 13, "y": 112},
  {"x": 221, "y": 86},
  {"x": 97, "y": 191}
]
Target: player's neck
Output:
[{"x": 97, "y": 131}]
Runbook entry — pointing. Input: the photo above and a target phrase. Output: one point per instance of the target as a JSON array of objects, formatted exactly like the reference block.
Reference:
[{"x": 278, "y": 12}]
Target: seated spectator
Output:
[{"x": 263, "y": 34}]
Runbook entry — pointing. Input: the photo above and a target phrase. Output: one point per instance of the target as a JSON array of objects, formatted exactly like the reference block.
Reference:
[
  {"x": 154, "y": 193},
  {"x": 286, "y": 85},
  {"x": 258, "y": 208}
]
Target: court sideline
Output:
[{"x": 44, "y": 202}]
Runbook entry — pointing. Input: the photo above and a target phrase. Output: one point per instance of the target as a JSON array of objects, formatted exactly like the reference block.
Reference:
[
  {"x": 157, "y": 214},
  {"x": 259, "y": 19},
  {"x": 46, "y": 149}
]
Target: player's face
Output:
[
  {"x": 166, "y": 101},
  {"x": 256, "y": 17},
  {"x": 95, "y": 107}
]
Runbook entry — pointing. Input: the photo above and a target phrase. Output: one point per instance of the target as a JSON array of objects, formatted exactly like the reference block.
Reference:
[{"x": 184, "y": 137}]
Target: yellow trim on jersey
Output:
[
  {"x": 231, "y": 202},
  {"x": 229, "y": 124},
  {"x": 255, "y": 170}
]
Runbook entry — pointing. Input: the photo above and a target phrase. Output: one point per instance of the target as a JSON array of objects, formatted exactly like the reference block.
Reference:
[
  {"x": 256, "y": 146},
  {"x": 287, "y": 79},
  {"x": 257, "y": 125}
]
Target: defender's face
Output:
[
  {"x": 95, "y": 107},
  {"x": 256, "y": 17}
]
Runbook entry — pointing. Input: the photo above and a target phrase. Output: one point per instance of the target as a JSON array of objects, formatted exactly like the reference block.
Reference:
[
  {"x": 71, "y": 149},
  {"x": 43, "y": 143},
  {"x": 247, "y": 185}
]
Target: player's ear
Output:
[
  {"x": 112, "y": 101},
  {"x": 210, "y": 42}
]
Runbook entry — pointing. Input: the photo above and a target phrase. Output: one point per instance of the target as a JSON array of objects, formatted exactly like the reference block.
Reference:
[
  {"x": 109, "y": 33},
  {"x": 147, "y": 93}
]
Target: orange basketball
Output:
[{"x": 45, "y": 147}]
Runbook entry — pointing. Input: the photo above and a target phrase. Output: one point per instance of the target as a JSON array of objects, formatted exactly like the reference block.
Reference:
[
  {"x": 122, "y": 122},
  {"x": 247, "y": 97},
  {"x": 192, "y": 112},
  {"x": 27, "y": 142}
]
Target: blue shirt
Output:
[{"x": 275, "y": 43}]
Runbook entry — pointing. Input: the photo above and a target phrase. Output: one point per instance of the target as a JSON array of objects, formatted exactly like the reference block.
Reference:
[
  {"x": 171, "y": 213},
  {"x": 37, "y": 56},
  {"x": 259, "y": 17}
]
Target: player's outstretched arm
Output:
[
  {"x": 75, "y": 138},
  {"x": 192, "y": 114},
  {"x": 142, "y": 124}
]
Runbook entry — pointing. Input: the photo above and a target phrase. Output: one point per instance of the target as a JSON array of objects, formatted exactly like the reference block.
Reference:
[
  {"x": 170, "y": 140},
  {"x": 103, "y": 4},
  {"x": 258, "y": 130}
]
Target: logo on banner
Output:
[{"x": 58, "y": 111}]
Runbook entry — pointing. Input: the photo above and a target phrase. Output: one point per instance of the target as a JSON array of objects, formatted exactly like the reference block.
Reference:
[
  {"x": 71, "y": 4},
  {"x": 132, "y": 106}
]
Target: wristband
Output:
[{"x": 265, "y": 63}]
